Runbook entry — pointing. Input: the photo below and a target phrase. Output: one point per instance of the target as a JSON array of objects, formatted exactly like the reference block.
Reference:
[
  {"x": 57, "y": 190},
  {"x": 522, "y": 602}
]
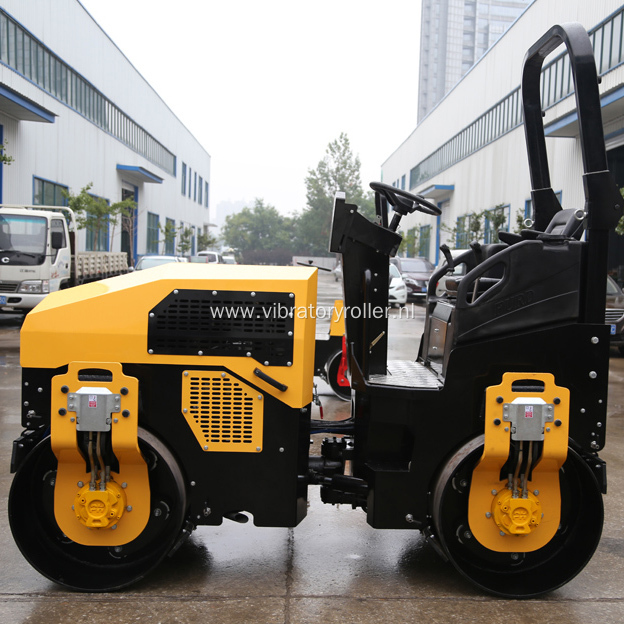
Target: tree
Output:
[
  {"x": 460, "y": 234},
  {"x": 497, "y": 219},
  {"x": 366, "y": 205},
  {"x": 185, "y": 240},
  {"x": 475, "y": 226},
  {"x": 96, "y": 215},
  {"x": 339, "y": 170},
  {"x": 619, "y": 228},
  {"x": 5, "y": 159},
  {"x": 409, "y": 244},
  {"x": 472, "y": 226},
  {"x": 521, "y": 222},
  {"x": 169, "y": 232},
  {"x": 205, "y": 240},
  {"x": 260, "y": 234}
]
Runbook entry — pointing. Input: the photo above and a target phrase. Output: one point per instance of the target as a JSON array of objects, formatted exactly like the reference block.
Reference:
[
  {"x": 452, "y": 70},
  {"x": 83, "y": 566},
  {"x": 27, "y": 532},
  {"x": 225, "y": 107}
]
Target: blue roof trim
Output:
[
  {"x": 436, "y": 187},
  {"x": 614, "y": 96},
  {"x": 144, "y": 174},
  {"x": 26, "y": 104},
  {"x": 561, "y": 123}
]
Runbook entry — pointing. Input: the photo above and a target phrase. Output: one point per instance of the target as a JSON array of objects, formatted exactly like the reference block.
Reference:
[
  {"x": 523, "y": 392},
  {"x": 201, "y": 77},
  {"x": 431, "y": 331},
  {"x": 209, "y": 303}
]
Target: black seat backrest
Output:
[{"x": 565, "y": 225}]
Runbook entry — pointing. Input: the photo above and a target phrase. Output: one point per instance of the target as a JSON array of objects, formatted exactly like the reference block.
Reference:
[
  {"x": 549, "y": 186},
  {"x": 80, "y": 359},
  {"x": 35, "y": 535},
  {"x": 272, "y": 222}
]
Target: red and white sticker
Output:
[
  {"x": 93, "y": 400},
  {"x": 528, "y": 411}
]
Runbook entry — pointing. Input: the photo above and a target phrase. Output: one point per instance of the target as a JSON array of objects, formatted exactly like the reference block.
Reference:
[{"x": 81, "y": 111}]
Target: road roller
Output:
[{"x": 180, "y": 396}]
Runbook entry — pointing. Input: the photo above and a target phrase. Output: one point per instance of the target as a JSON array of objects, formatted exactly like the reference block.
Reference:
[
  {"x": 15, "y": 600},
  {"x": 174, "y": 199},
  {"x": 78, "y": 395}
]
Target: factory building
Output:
[
  {"x": 468, "y": 154},
  {"x": 75, "y": 112}
]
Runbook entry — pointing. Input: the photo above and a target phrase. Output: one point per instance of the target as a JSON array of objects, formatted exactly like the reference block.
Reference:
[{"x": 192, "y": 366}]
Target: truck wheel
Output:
[
  {"x": 518, "y": 575},
  {"x": 94, "y": 568},
  {"x": 331, "y": 373}
]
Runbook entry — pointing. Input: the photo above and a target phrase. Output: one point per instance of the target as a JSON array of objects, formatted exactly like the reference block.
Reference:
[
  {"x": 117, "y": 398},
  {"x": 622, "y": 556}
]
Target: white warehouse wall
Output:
[
  {"x": 498, "y": 172},
  {"x": 73, "y": 151}
]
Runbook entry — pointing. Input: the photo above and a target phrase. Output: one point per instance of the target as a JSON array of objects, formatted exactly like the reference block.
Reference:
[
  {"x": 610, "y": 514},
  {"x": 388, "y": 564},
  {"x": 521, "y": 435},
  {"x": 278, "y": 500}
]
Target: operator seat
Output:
[
  {"x": 568, "y": 224},
  {"x": 565, "y": 225}
]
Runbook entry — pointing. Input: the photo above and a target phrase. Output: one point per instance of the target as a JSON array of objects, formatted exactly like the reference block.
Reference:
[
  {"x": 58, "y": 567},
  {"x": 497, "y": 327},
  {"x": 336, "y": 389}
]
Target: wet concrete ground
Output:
[{"x": 332, "y": 568}]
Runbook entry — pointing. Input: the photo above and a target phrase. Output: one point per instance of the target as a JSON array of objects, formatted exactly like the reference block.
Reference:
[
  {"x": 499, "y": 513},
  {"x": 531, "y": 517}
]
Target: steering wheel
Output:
[{"x": 397, "y": 199}]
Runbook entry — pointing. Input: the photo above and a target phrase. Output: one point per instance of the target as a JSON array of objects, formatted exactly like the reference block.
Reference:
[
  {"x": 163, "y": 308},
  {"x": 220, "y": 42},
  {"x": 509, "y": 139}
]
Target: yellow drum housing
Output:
[{"x": 527, "y": 520}]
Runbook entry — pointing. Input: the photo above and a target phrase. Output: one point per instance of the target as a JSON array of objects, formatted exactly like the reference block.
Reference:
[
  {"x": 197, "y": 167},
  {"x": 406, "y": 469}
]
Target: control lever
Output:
[
  {"x": 444, "y": 248},
  {"x": 315, "y": 266},
  {"x": 376, "y": 340},
  {"x": 478, "y": 252}
]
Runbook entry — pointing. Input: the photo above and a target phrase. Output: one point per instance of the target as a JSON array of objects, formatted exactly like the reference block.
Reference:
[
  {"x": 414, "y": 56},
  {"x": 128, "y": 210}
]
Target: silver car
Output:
[{"x": 147, "y": 262}]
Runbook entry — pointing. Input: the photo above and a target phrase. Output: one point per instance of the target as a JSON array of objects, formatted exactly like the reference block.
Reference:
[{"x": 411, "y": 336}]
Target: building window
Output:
[
  {"x": 46, "y": 193},
  {"x": 170, "y": 237},
  {"x": 21, "y": 51},
  {"x": 200, "y": 190},
  {"x": 152, "y": 233},
  {"x": 206, "y": 196},
  {"x": 462, "y": 232},
  {"x": 195, "y": 187},
  {"x": 183, "y": 178},
  {"x": 97, "y": 238},
  {"x": 494, "y": 220},
  {"x": 98, "y": 230},
  {"x": 190, "y": 177},
  {"x": 424, "y": 241}
]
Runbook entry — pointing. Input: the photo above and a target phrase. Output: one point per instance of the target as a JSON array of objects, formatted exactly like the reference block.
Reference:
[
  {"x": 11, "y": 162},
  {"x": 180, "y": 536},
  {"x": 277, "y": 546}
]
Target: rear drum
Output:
[{"x": 518, "y": 575}]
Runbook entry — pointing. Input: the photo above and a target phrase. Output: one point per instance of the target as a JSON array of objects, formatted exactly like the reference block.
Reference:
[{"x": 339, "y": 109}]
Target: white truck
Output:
[{"x": 38, "y": 256}]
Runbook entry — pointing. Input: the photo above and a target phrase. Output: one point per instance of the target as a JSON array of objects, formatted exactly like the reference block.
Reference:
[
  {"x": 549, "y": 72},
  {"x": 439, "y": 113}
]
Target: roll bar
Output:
[{"x": 603, "y": 202}]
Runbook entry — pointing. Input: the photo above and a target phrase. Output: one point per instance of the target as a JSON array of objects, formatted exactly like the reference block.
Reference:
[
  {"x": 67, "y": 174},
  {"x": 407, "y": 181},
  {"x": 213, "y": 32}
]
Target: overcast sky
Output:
[{"x": 265, "y": 85}]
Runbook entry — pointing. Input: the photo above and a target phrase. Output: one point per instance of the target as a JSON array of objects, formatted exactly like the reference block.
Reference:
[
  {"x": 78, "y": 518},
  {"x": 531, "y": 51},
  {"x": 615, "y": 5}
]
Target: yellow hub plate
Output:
[
  {"x": 516, "y": 533},
  {"x": 77, "y": 520}
]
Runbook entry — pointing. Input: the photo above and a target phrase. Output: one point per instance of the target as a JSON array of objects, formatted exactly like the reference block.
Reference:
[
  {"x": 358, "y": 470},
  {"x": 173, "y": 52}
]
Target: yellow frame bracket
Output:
[
  {"x": 544, "y": 485},
  {"x": 337, "y": 323},
  {"x": 72, "y": 469}
]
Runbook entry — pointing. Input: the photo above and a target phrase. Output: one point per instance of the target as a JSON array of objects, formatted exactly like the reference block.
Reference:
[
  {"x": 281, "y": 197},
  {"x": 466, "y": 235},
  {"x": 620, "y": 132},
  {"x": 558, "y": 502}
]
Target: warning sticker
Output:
[
  {"x": 93, "y": 400},
  {"x": 528, "y": 411}
]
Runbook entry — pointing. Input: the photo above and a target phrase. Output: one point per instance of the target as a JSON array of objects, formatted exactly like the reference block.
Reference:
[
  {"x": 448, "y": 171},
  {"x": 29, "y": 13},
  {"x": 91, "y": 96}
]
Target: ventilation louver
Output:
[
  {"x": 225, "y": 323},
  {"x": 224, "y": 413}
]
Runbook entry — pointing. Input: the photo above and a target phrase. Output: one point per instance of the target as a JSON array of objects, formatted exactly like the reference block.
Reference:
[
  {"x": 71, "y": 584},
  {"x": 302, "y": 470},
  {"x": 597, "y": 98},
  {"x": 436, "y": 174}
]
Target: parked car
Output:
[
  {"x": 416, "y": 273},
  {"x": 614, "y": 313},
  {"x": 397, "y": 291},
  {"x": 204, "y": 259},
  {"x": 211, "y": 256},
  {"x": 147, "y": 262},
  {"x": 229, "y": 260}
]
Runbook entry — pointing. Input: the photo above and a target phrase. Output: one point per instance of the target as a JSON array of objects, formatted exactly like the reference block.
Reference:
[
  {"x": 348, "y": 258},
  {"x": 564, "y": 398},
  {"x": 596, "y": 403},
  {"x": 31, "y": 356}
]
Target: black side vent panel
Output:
[{"x": 224, "y": 323}]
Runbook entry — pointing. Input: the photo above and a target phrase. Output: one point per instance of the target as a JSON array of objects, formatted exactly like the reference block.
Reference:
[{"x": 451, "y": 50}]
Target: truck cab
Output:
[{"x": 35, "y": 255}]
